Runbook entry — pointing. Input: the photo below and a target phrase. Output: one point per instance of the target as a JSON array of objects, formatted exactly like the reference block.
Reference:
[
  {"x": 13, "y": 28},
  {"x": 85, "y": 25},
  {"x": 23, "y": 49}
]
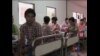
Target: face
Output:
[
  {"x": 71, "y": 22},
  {"x": 53, "y": 21},
  {"x": 30, "y": 18},
  {"x": 81, "y": 22}
]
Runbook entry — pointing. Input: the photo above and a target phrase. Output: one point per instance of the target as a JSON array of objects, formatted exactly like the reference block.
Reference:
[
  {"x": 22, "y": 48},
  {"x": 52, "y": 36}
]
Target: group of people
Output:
[{"x": 32, "y": 29}]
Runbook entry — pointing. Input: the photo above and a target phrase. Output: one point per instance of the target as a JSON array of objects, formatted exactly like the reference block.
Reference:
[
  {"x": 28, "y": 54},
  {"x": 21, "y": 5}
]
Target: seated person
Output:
[
  {"x": 46, "y": 28},
  {"x": 15, "y": 32},
  {"x": 15, "y": 35},
  {"x": 55, "y": 28},
  {"x": 81, "y": 29},
  {"x": 72, "y": 28},
  {"x": 64, "y": 27}
]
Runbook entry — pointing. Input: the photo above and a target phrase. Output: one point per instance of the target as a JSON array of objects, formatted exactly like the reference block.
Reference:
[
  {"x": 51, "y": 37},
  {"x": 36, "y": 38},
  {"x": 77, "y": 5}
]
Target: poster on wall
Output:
[
  {"x": 51, "y": 12},
  {"x": 22, "y": 8},
  {"x": 77, "y": 16}
]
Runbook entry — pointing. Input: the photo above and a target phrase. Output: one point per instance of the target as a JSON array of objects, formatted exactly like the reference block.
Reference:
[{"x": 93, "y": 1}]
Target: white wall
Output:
[
  {"x": 40, "y": 8},
  {"x": 15, "y": 12},
  {"x": 71, "y": 7}
]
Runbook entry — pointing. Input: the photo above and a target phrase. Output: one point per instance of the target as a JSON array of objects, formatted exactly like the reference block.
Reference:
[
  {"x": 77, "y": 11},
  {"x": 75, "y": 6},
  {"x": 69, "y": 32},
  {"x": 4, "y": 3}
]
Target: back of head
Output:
[
  {"x": 46, "y": 19},
  {"x": 72, "y": 19},
  {"x": 81, "y": 19},
  {"x": 66, "y": 18},
  {"x": 29, "y": 11},
  {"x": 54, "y": 18}
]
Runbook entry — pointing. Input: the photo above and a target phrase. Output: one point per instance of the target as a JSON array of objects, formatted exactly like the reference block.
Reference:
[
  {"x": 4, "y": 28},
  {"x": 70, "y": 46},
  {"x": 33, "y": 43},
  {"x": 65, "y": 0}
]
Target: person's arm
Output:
[{"x": 22, "y": 42}]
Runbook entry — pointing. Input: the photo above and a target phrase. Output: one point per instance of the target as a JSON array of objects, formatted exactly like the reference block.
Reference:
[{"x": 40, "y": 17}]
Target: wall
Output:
[
  {"x": 40, "y": 8},
  {"x": 72, "y": 7}
]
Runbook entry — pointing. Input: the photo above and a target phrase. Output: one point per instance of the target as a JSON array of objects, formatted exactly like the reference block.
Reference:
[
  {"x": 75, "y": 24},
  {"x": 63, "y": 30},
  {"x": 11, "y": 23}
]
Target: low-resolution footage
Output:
[{"x": 49, "y": 27}]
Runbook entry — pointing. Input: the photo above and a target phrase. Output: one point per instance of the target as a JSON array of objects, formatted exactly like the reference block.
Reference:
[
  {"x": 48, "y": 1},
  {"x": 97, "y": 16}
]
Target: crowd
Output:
[{"x": 32, "y": 29}]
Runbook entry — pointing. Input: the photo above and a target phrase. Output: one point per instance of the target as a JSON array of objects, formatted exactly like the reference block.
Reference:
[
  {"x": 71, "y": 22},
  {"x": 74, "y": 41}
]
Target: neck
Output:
[{"x": 30, "y": 24}]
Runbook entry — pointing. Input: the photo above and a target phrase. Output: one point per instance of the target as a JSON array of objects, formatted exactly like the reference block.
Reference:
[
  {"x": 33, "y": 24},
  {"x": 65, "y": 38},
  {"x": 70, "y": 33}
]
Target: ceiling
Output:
[{"x": 81, "y": 3}]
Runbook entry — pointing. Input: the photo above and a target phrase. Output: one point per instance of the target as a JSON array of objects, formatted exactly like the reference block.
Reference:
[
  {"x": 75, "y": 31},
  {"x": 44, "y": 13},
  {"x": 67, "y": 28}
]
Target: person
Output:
[
  {"x": 72, "y": 27},
  {"x": 55, "y": 28},
  {"x": 15, "y": 35},
  {"x": 29, "y": 30},
  {"x": 81, "y": 35},
  {"x": 86, "y": 30},
  {"x": 84, "y": 19},
  {"x": 72, "y": 31},
  {"x": 81, "y": 29},
  {"x": 46, "y": 28},
  {"x": 14, "y": 28},
  {"x": 64, "y": 27}
]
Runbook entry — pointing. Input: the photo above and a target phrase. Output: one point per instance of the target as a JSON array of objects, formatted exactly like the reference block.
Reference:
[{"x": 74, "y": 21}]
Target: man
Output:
[
  {"x": 64, "y": 27},
  {"x": 14, "y": 28},
  {"x": 30, "y": 30},
  {"x": 55, "y": 28},
  {"x": 15, "y": 35},
  {"x": 45, "y": 27}
]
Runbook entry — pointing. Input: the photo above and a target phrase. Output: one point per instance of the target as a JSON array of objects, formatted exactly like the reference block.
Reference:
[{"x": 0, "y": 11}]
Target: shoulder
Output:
[
  {"x": 22, "y": 26},
  {"x": 37, "y": 24}
]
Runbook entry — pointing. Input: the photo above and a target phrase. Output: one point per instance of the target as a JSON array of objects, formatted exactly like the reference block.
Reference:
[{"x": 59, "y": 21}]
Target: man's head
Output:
[
  {"x": 84, "y": 19},
  {"x": 54, "y": 20},
  {"x": 30, "y": 15},
  {"x": 66, "y": 20},
  {"x": 81, "y": 21},
  {"x": 46, "y": 19},
  {"x": 71, "y": 20}
]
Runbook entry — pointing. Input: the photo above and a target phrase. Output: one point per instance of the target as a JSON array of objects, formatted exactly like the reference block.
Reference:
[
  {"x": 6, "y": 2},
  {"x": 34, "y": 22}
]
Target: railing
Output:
[
  {"x": 46, "y": 44},
  {"x": 69, "y": 41}
]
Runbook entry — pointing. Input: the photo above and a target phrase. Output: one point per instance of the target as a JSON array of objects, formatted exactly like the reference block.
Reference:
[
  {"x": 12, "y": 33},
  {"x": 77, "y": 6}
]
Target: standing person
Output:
[
  {"x": 55, "y": 28},
  {"x": 15, "y": 35},
  {"x": 81, "y": 28},
  {"x": 30, "y": 30},
  {"x": 72, "y": 27},
  {"x": 64, "y": 27},
  {"x": 46, "y": 28},
  {"x": 81, "y": 35},
  {"x": 72, "y": 30},
  {"x": 14, "y": 28},
  {"x": 86, "y": 30}
]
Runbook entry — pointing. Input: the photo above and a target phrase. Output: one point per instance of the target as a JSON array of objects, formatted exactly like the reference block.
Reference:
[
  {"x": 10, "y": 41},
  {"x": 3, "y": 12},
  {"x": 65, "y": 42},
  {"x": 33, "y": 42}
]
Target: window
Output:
[
  {"x": 77, "y": 16},
  {"x": 51, "y": 12},
  {"x": 22, "y": 8}
]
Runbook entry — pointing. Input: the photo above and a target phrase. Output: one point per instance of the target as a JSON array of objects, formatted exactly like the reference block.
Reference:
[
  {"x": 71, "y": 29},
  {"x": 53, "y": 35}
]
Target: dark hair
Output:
[
  {"x": 72, "y": 19},
  {"x": 66, "y": 18},
  {"x": 46, "y": 19},
  {"x": 54, "y": 18},
  {"x": 81, "y": 19},
  {"x": 30, "y": 11},
  {"x": 84, "y": 18}
]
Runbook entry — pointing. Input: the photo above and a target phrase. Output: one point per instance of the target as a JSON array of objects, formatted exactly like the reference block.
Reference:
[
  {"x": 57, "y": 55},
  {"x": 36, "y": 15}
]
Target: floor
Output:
[{"x": 80, "y": 54}]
